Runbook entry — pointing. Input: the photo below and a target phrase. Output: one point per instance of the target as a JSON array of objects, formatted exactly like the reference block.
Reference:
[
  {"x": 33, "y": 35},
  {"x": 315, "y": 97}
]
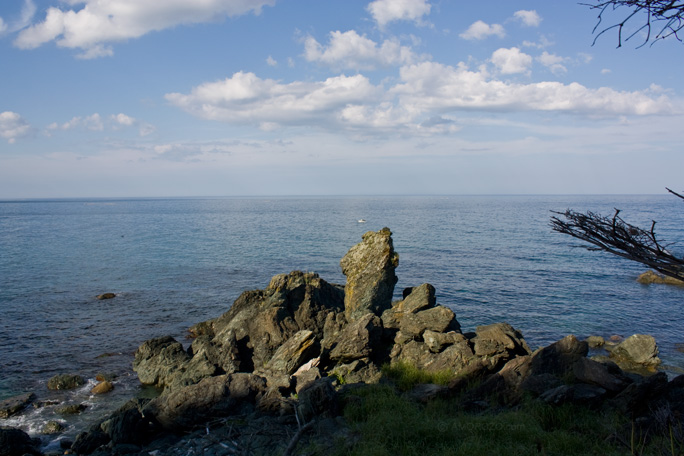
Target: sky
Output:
[{"x": 124, "y": 98}]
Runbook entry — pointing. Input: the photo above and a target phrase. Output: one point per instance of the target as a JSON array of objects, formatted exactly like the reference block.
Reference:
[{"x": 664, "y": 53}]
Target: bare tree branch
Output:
[
  {"x": 614, "y": 235},
  {"x": 667, "y": 16}
]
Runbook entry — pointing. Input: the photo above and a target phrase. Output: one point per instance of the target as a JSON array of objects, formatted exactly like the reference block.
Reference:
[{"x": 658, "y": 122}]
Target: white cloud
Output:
[
  {"x": 13, "y": 126},
  {"x": 351, "y": 50},
  {"x": 511, "y": 61},
  {"x": 3, "y": 26},
  {"x": 544, "y": 42},
  {"x": 123, "y": 119},
  {"x": 529, "y": 18},
  {"x": 246, "y": 98},
  {"x": 430, "y": 87},
  {"x": 386, "y": 11},
  {"x": 106, "y": 21},
  {"x": 605, "y": 71},
  {"x": 480, "y": 30},
  {"x": 93, "y": 122},
  {"x": 270, "y": 61},
  {"x": 553, "y": 62}
]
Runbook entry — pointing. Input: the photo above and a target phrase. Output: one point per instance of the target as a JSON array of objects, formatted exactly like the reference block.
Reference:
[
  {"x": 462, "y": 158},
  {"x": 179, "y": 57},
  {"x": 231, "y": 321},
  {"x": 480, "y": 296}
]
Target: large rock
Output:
[
  {"x": 212, "y": 397},
  {"x": 65, "y": 382},
  {"x": 157, "y": 359},
  {"x": 297, "y": 350},
  {"x": 369, "y": 267},
  {"x": 16, "y": 404},
  {"x": 498, "y": 343},
  {"x": 636, "y": 352},
  {"x": 560, "y": 357},
  {"x": 357, "y": 340},
  {"x": 15, "y": 442}
]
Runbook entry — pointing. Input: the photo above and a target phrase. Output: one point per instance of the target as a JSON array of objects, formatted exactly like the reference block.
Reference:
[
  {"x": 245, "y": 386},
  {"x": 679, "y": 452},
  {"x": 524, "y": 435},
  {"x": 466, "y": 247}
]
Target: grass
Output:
[
  {"x": 405, "y": 375},
  {"x": 388, "y": 423}
]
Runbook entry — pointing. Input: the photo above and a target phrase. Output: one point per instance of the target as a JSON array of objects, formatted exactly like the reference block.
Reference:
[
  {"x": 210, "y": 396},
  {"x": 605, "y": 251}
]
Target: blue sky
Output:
[{"x": 109, "y": 98}]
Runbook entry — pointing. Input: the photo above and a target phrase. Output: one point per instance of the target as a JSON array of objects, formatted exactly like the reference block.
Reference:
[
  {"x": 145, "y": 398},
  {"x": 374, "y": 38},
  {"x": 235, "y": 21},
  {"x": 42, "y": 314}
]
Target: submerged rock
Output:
[
  {"x": 652, "y": 277},
  {"x": 369, "y": 267},
  {"x": 106, "y": 296}
]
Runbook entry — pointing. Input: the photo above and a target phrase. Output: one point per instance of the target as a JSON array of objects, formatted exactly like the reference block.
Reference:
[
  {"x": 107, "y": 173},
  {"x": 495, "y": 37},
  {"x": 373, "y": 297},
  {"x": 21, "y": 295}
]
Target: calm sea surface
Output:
[{"x": 174, "y": 262}]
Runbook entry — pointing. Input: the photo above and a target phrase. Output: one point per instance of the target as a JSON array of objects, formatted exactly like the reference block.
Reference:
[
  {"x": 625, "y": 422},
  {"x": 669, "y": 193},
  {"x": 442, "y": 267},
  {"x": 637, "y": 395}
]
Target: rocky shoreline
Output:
[{"x": 275, "y": 369}]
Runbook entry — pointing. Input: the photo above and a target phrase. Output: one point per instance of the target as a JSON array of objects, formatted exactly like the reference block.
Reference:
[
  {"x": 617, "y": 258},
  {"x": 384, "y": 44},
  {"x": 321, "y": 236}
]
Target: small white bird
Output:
[{"x": 362, "y": 221}]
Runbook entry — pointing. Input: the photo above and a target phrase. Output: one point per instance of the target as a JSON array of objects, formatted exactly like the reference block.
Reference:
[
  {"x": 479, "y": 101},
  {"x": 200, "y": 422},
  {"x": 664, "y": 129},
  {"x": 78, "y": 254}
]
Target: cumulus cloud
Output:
[
  {"x": 528, "y": 18},
  {"x": 429, "y": 87},
  {"x": 123, "y": 119},
  {"x": 105, "y": 21},
  {"x": 92, "y": 122},
  {"x": 270, "y": 61},
  {"x": 511, "y": 61},
  {"x": 480, "y": 30},
  {"x": 386, "y": 11},
  {"x": 13, "y": 126},
  {"x": 351, "y": 50},
  {"x": 246, "y": 98},
  {"x": 553, "y": 62}
]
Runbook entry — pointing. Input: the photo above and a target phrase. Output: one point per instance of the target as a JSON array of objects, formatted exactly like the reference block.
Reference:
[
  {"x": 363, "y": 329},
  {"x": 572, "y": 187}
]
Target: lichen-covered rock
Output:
[
  {"x": 293, "y": 353},
  {"x": 157, "y": 359},
  {"x": 357, "y": 340},
  {"x": 212, "y": 397},
  {"x": 498, "y": 343},
  {"x": 652, "y": 277},
  {"x": 65, "y": 382},
  {"x": 369, "y": 267},
  {"x": 638, "y": 351}
]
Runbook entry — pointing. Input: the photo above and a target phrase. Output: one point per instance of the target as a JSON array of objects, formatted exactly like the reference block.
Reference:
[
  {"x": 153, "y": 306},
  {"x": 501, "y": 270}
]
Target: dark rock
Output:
[
  {"x": 357, "y": 340},
  {"x": 318, "y": 399},
  {"x": 52, "y": 427},
  {"x": 637, "y": 351},
  {"x": 504, "y": 385},
  {"x": 71, "y": 409},
  {"x": 16, "y": 404},
  {"x": 65, "y": 382},
  {"x": 87, "y": 442},
  {"x": 211, "y": 397},
  {"x": 106, "y": 296},
  {"x": 588, "y": 371},
  {"x": 425, "y": 392},
  {"x": 578, "y": 394},
  {"x": 15, "y": 442},
  {"x": 305, "y": 378},
  {"x": 539, "y": 383},
  {"x": 127, "y": 425},
  {"x": 369, "y": 267},
  {"x": 637, "y": 397},
  {"x": 559, "y": 357}
]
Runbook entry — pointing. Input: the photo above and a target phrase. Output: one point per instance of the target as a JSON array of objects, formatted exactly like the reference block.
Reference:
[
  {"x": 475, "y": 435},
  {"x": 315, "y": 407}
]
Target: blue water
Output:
[{"x": 174, "y": 262}]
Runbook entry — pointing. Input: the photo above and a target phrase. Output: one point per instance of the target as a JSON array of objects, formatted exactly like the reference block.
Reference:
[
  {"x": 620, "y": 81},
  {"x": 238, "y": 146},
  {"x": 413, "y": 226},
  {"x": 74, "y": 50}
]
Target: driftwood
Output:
[{"x": 614, "y": 235}]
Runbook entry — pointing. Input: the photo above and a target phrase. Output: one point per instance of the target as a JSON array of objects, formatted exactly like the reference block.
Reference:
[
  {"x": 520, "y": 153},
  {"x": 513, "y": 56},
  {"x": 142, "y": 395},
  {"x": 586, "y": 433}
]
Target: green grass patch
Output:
[{"x": 406, "y": 375}]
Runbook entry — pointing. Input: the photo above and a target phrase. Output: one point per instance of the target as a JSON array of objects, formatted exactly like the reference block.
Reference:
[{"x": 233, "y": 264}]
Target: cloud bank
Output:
[{"x": 100, "y": 22}]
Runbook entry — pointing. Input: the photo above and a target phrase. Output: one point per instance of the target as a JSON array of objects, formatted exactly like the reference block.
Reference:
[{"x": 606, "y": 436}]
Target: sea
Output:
[{"x": 178, "y": 261}]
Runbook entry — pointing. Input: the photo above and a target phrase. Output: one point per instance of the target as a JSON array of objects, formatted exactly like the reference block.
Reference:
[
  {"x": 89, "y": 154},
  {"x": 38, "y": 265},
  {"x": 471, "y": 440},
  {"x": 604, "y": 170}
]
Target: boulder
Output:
[
  {"x": 652, "y": 277},
  {"x": 65, "y": 382},
  {"x": 16, "y": 404},
  {"x": 156, "y": 359},
  {"x": 559, "y": 357},
  {"x": 15, "y": 442},
  {"x": 318, "y": 399},
  {"x": 106, "y": 296},
  {"x": 589, "y": 371},
  {"x": 52, "y": 427},
  {"x": 357, "y": 340},
  {"x": 71, "y": 409},
  {"x": 298, "y": 349},
  {"x": 437, "y": 319},
  {"x": 127, "y": 425},
  {"x": 595, "y": 341},
  {"x": 212, "y": 397},
  {"x": 577, "y": 394},
  {"x": 102, "y": 387},
  {"x": 498, "y": 343},
  {"x": 369, "y": 267},
  {"x": 638, "y": 351},
  {"x": 454, "y": 357}
]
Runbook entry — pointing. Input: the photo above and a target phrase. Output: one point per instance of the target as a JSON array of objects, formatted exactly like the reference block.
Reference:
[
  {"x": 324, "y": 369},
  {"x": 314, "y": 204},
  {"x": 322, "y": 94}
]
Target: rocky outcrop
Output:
[
  {"x": 15, "y": 442},
  {"x": 282, "y": 350},
  {"x": 369, "y": 267}
]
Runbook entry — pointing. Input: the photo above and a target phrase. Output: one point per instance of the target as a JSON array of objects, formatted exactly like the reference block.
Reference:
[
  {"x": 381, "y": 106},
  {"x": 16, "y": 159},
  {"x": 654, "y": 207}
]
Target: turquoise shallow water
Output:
[{"x": 174, "y": 262}]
